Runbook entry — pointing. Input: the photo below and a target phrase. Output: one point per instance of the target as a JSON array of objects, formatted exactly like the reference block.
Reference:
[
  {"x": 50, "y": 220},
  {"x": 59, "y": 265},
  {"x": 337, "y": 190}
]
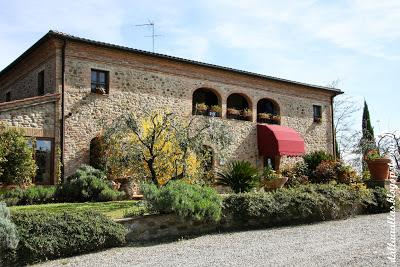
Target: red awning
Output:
[{"x": 276, "y": 140}]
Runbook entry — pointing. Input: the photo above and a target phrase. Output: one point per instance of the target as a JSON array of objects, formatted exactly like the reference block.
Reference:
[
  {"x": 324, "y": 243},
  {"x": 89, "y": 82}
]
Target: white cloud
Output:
[{"x": 367, "y": 27}]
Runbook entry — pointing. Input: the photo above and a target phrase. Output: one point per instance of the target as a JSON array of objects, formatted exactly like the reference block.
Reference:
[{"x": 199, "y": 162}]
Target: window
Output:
[
  {"x": 40, "y": 81},
  {"x": 43, "y": 153},
  {"x": 317, "y": 113},
  {"x": 8, "y": 96},
  {"x": 206, "y": 102},
  {"x": 99, "y": 81},
  {"x": 238, "y": 108},
  {"x": 268, "y": 112}
]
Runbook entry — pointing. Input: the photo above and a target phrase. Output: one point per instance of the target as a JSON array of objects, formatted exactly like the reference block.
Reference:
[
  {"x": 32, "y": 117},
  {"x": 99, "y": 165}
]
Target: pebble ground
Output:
[{"x": 359, "y": 241}]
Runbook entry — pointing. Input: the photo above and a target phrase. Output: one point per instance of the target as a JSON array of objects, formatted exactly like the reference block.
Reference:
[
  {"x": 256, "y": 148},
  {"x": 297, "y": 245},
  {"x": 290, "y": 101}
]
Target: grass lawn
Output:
[{"x": 112, "y": 209}]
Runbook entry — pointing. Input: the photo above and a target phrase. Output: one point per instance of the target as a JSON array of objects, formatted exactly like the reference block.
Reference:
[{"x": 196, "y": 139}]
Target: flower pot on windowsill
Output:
[
  {"x": 215, "y": 111},
  {"x": 263, "y": 116},
  {"x": 275, "y": 184},
  {"x": 317, "y": 120},
  {"x": 247, "y": 114},
  {"x": 100, "y": 91},
  {"x": 275, "y": 118},
  {"x": 232, "y": 111},
  {"x": 201, "y": 109},
  {"x": 379, "y": 168}
]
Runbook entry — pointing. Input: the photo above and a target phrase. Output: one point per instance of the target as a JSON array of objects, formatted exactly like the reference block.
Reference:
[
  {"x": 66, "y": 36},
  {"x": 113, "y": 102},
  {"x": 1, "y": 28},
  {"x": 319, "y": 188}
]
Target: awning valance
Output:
[{"x": 276, "y": 140}]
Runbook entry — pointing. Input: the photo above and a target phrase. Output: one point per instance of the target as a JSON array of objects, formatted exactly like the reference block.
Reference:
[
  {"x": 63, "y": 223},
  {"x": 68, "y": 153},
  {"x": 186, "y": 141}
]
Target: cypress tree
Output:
[
  {"x": 367, "y": 130},
  {"x": 367, "y": 141}
]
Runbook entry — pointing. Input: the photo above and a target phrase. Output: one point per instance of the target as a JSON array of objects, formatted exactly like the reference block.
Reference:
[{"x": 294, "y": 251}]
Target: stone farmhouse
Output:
[{"x": 63, "y": 86}]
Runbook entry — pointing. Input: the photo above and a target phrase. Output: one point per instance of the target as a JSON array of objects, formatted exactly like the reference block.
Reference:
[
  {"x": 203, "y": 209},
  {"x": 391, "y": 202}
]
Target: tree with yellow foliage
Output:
[{"x": 161, "y": 146}]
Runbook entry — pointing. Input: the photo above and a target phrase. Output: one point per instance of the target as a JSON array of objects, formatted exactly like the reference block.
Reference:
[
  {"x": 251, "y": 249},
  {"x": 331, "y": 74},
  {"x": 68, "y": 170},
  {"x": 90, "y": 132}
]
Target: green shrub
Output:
[
  {"x": 325, "y": 172},
  {"x": 241, "y": 176},
  {"x": 186, "y": 200},
  {"x": 380, "y": 201},
  {"x": 313, "y": 159},
  {"x": 305, "y": 203},
  {"x": 8, "y": 234},
  {"x": 46, "y": 236},
  {"x": 17, "y": 165},
  {"x": 87, "y": 184},
  {"x": 337, "y": 171},
  {"x": 29, "y": 196},
  {"x": 97, "y": 152},
  {"x": 297, "y": 174}
]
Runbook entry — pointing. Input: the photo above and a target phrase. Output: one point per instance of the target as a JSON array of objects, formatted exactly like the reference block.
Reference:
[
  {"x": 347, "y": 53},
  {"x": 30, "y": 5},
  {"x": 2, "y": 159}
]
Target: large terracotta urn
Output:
[
  {"x": 379, "y": 169},
  {"x": 275, "y": 184}
]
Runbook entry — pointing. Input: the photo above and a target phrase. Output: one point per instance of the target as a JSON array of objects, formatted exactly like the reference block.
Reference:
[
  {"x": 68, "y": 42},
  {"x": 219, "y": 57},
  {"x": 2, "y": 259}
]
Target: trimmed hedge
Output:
[
  {"x": 45, "y": 236},
  {"x": 306, "y": 203},
  {"x": 29, "y": 196},
  {"x": 188, "y": 201}
]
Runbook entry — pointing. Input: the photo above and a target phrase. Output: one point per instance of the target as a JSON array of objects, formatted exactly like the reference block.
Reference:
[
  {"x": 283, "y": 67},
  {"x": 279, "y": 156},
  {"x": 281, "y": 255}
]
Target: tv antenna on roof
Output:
[{"x": 151, "y": 24}]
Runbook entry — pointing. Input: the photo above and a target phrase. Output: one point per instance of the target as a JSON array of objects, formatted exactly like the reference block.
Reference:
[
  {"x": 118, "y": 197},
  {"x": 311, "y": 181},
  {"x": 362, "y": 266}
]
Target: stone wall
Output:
[
  {"x": 36, "y": 116},
  {"x": 138, "y": 82},
  {"x": 156, "y": 227},
  {"x": 22, "y": 79}
]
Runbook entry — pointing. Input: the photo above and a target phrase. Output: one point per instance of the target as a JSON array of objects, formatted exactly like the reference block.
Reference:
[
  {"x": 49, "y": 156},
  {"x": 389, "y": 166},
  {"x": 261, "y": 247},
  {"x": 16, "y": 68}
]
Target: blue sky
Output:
[{"x": 357, "y": 42}]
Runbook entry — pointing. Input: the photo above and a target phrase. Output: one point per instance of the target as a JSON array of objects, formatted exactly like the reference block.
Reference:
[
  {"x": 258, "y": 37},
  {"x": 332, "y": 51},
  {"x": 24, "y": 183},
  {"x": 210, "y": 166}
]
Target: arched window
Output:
[
  {"x": 206, "y": 102},
  {"x": 238, "y": 108},
  {"x": 268, "y": 112}
]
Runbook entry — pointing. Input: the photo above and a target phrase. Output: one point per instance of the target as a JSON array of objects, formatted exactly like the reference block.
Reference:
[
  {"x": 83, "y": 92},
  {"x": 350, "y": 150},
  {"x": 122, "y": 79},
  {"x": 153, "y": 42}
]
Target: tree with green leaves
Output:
[
  {"x": 160, "y": 146},
  {"x": 17, "y": 165},
  {"x": 367, "y": 141},
  {"x": 367, "y": 130}
]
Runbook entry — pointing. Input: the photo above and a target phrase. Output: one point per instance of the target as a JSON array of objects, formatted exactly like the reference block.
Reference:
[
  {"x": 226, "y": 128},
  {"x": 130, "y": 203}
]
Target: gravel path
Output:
[{"x": 359, "y": 241}]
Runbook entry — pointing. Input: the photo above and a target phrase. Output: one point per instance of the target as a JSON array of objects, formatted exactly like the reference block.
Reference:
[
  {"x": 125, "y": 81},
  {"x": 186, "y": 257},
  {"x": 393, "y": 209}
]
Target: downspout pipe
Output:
[
  {"x": 333, "y": 130},
  {"x": 62, "y": 130}
]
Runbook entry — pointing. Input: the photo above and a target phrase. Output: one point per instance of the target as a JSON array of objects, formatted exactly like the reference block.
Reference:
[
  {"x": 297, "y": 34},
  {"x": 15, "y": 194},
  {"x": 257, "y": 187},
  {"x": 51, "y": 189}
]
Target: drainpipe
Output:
[
  {"x": 62, "y": 130},
  {"x": 333, "y": 130}
]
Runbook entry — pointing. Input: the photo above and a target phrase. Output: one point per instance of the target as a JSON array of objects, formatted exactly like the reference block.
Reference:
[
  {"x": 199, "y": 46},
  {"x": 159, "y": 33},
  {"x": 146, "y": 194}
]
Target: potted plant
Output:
[
  {"x": 100, "y": 90},
  {"x": 378, "y": 165},
  {"x": 215, "y": 111},
  {"x": 232, "y": 112},
  {"x": 247, "y": 113},
  {"x": 201, "y": 107},
  {"x": 317, "y": 119},
  {"x": 275, "y": 117},
  {"x": 264, "y": 116},
  {"x": 272, "y": 180}
]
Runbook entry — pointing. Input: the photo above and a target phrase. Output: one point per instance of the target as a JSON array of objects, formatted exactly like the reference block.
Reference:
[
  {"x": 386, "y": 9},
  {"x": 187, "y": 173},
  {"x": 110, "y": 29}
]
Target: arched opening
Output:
[
  {"x": 238, "y": 108},
  {"x": 206, "y": 102},
  {"x": 268, "y": 112}
]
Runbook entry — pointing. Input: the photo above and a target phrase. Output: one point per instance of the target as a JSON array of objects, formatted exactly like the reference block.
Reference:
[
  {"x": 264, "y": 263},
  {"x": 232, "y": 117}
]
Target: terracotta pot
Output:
[
  {"x": 232, "y": 111},
  {"x": 274, "y": 184},
  {"x": 379, "y": 168}
]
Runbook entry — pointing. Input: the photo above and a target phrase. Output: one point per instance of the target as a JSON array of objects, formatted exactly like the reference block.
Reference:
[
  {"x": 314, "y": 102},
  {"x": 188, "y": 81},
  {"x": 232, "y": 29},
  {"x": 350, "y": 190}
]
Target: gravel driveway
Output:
[{"x": 359, "y": 241}]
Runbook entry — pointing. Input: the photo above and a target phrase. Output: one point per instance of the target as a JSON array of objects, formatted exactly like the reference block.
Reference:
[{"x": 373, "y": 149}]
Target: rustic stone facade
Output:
[
  {"x": 140, "y": 81},
  {"x": 22, "y": 81}
]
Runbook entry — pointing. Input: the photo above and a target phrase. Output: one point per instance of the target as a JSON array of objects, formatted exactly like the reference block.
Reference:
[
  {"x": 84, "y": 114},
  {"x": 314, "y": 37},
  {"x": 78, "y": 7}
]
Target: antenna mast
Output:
[{"x": 151, "y": 24}]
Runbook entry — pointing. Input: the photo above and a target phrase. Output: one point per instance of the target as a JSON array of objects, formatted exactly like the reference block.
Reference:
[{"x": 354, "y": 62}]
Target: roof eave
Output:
[{"x": 60, "y": 35}]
